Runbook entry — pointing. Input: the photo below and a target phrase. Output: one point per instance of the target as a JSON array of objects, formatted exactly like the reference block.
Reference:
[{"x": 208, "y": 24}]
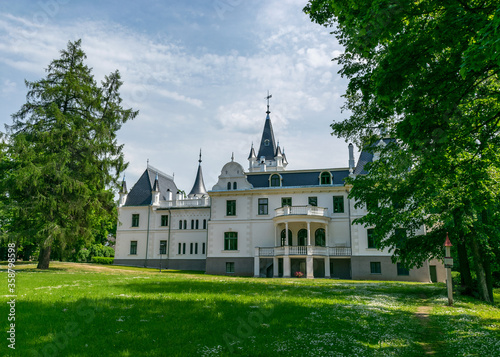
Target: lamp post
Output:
[{"x": 448, "y": 264}]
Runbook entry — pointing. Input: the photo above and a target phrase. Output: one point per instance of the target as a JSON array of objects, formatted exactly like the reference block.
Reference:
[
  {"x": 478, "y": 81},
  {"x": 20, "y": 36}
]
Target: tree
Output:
[
  {"x": 426, "y": 74},
  {"x": 67, "y": 159}
]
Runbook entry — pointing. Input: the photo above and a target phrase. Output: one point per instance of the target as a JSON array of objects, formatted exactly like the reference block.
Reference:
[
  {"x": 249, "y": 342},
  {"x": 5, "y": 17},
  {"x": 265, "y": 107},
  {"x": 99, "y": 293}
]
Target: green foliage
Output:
[
  {"x": 426, "y": 74},
  {"x": 65, "y": 157},
  {"x": 94, "y": 251},
  {"x": 102, "y": 260}
]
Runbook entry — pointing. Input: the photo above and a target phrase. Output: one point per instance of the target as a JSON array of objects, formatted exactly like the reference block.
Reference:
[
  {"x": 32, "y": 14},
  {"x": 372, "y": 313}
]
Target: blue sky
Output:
[{"x": 197, "y": 71}]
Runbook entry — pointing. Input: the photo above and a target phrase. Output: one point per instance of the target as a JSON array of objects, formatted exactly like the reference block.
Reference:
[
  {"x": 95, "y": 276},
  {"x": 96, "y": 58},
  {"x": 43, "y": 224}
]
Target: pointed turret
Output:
[
  {"x": 155, "y": 192},
  {"x": 123, "y": 193},
  {"x": 198, "y": 189}
]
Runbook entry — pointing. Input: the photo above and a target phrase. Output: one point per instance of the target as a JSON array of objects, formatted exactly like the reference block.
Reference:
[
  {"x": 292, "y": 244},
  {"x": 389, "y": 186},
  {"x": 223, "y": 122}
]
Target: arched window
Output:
[
  {"x": 180, "y": 225},
  {"x": 229, "y": 185},
  {"x": 275, "y": 180},
  {"x": 302, "y": 237},
  {"x": 319, "y": 237},
  {"x": 283, "y": 237},
  {"x": 197, "y": 224},
  {"x": 192, "y": 224},
  {"x": 326, "y": 178},
  {"x": 204, "y": 225},
  {"x": 185, "y": 224},
  {"x": 235, "y": 185}
]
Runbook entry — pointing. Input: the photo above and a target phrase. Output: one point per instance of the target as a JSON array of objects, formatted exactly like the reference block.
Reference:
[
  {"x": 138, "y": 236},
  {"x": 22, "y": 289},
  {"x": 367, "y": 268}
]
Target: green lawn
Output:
[{"x": 76, "y": 310}]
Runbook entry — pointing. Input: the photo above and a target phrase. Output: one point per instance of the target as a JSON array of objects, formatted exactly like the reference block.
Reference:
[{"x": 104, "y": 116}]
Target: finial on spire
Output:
[
  {"x": 200, "y": 157},
  {"x": 269, "y": 96},
  {"x": 232, "y": 156},
  {"x": 147, "y": 162}
]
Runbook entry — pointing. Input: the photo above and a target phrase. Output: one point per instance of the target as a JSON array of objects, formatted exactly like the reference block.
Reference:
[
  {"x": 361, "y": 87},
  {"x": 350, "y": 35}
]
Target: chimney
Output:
[{"x": 351, "y": 157}]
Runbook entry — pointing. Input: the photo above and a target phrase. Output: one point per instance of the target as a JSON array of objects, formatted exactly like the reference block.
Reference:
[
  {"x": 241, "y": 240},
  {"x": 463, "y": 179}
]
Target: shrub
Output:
[
  {"x": 103, "y": 260},
  {"x": 83, "y": 255}
]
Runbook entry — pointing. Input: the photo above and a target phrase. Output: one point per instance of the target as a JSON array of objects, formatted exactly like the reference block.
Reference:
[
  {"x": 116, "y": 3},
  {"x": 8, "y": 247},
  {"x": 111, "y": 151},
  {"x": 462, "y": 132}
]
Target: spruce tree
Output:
[{"x": 67, "y": 159}]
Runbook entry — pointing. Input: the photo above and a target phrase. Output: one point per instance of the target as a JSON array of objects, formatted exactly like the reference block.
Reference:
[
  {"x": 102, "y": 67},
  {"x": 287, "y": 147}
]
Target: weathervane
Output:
[{"x": 268, "y": 97}]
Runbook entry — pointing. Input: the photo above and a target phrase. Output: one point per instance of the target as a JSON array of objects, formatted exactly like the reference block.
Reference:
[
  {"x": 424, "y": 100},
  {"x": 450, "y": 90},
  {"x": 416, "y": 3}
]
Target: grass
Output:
[{"x": 92, "y": 310}]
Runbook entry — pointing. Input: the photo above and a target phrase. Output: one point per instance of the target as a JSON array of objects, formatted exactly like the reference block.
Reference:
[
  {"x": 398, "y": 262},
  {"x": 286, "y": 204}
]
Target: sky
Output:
[{"x": 197, "y": 71}]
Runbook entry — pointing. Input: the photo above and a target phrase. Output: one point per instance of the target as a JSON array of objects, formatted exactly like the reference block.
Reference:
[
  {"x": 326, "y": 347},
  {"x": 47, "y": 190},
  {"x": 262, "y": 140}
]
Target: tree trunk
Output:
[
  {"x": 465, "y": 275},
  {"x": 44, "y": 258},
  {"x": 480, "y": 272}
]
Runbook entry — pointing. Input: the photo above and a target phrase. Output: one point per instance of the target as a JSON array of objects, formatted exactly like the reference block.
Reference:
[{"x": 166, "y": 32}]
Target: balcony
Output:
[
  {"x": 304, "y": 250},
  {"x": 186, "y": 202},
  {"x": 302, "y": 211}
]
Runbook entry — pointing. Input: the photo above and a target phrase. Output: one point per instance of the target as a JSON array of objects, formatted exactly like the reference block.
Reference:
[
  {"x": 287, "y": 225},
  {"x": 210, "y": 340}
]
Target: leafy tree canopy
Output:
[{"x": 424, "y": 73}]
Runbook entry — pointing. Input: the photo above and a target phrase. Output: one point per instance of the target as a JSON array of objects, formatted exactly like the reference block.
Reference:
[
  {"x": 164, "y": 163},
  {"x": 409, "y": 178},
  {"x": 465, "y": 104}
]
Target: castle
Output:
[{"x": 266, "y": 221}]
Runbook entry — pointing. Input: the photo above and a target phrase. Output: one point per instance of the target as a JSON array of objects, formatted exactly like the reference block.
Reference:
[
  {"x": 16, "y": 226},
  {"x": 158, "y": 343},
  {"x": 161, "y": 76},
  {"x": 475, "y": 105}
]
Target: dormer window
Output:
[
  {"x": 229, "y": 185},
  {"x": 326, "y": 178},
  {"x": 275, "y": 180}
]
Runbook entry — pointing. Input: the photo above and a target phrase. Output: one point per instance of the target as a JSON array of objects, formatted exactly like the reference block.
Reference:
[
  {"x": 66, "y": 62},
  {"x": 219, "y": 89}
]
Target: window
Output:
[
  {"x": 229, "y": 185},
  {"x": 229, "y": 267},
  {"x": 263, "y": 206},
  {"x": 319, "y": 237},
  {"x": 275, "y": 180},
  {"x": 180, "y": 249},
  {"x": 375, "y": 268},
  {"x": 231, "y": 241},
  {"x": 192, "y": 224},
  {"x": 313, "y": 201},
  {"x": 370, "y": 233},
  {"x": 402, "y": 270},
  {"x": 204, "y": 224},
  {"x": 231, "y": 208},
  {"x": 163, "y": 247},
  {"x": 196, "y": 248},
  {"x": 164, "y": 220},
  {"x": 400, "y": 235},
  {"x": 286, "y": 201},
  {"x": 183, "y": 248},
  {"x": 191, "y": 248},
  {"x": 283, "y": 237},
  {"x": 326, "y": 178},
  {"x": 338, "y": 204},
  {"x": 197, "y": 224},
  {"x": 133, "y": 247},
  {"x": 185, "y": 224},
  {"x": 371, "y": 205},
  {"x": 203, "y": 248},
  {"x": 135, "y": 220},
  {"x": 302, "y": 237},
  {"x": 235, "y": 185}
]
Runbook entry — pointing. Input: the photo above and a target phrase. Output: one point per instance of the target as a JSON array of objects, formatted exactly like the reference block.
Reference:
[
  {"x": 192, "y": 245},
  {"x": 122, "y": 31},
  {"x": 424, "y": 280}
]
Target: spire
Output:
[
  {"x": 156, "y": 186},
  {"x": 267, "y": 143},
  {"x": 252, "y": 153},
  {"x": 124, "y": 186},
  {"x": 199, "y": 185},
  {"x": 232, "y": 156}
]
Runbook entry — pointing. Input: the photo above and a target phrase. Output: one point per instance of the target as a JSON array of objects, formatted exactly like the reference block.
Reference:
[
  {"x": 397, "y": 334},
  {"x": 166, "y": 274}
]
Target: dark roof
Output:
[
  {"x": 252, "y": 153},
  {"x": 199, "y": 186},
  {"x": 293, "y": 179},
  {"x": 366, "y": 157},
  {"x": 267, "y": 144},
  {"x": 140, "y": 194}
]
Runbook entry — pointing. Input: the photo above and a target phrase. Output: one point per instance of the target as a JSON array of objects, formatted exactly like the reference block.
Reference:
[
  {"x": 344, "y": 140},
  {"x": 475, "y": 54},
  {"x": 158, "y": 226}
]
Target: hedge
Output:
[{"x": 103, "y": 260}]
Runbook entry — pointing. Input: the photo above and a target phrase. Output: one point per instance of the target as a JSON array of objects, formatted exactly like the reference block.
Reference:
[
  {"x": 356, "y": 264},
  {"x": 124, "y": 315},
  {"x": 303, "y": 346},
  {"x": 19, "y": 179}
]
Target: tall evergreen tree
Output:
[
  {"x": 427, "y": 74},
  {"x": 67, "y": 159}
]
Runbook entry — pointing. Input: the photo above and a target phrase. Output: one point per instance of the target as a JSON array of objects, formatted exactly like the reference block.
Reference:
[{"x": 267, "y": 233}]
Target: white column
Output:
[
  {"x": 275, "y": 236},
  {"x": 275, "y": 267},
  {"x": 286, "y": 233},
  {"x": 309, "y": 233},
  {"x": 309, "y": 267},
  {"x": 256, "y": 264},
  {"x": 327, "y": 267},
  {"x": 286, "y": 264},
  {"x": 326, "y": 234}
]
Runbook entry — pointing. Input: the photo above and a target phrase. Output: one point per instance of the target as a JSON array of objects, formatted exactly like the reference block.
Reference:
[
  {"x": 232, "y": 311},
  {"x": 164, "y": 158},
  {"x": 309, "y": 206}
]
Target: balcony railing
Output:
[
  {"x": 187, "y": 202},
  {"x": 304, "y": 250},
  {"x": 301, "y": 210}
]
